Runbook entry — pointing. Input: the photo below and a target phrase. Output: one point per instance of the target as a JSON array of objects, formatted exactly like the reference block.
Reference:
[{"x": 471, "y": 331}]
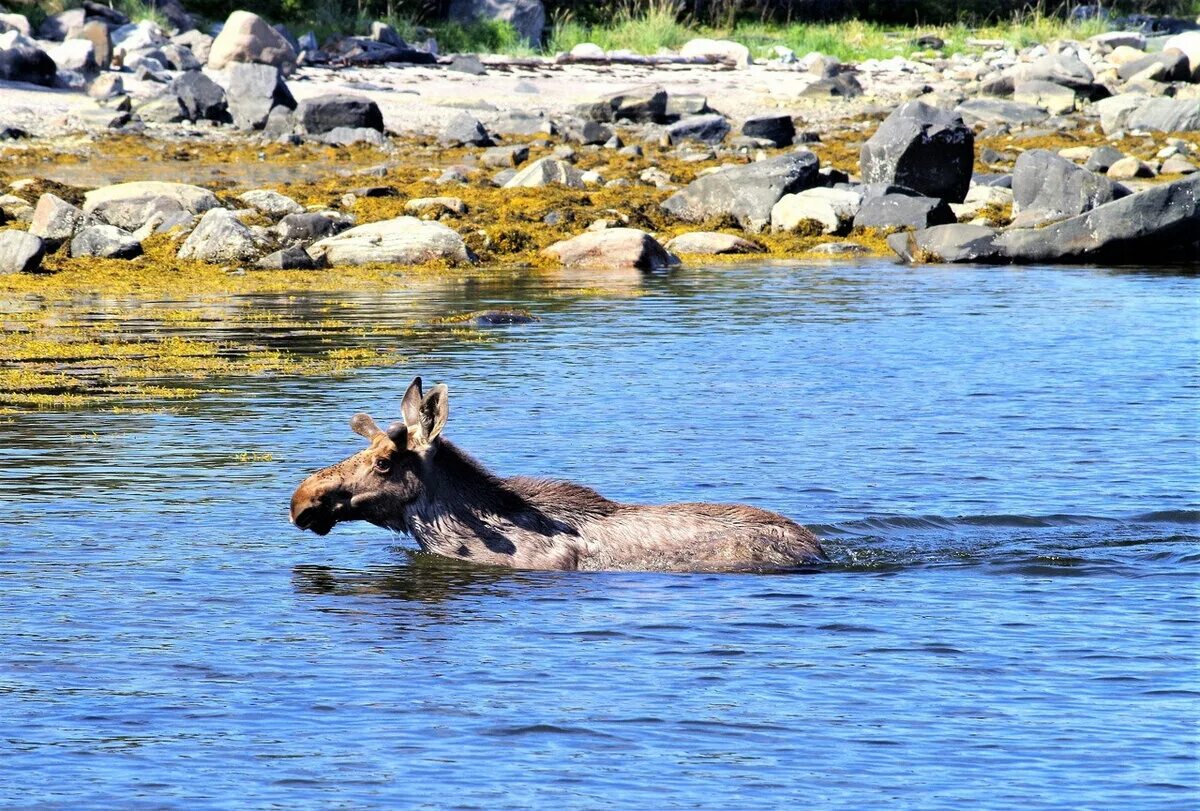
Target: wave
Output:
[{"x": 883, "y": 524}]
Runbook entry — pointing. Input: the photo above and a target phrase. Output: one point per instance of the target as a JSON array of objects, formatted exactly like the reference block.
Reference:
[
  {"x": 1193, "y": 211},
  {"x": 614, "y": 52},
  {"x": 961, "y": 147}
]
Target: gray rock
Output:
[
  {"x": 197, "y": 42},
  {"x": 76, "y": 55},
  {"x": 832, "y": 209},
  {"x": 681, "y": 104},
  {"x": 221, "y": 237},
  {"x": 106, "y": 86},
  {"x": 1129, "y": 168},
  {"x": 1048, "y": 188},
  {"x": 519, "y": 122},
  {"x": 304, "y": 229},
  {"x": 200, "y": 97},
  {"x": 527, "y": 17},
  {"x": 271, "y": 203},
  {"x": 1064, "y": 68},
  {"x": 843, "y": 86},
  {"x": 612, "y": 248},
  {"x": 746, "y": 193},
  {"x": 1115, "y": 111},
  {"x": 1173, "y": 67},
  {"x": 990, "y": 112},
  {"x": 130, "y": 205},
  {"x": 1160, "y": 223},
  {"x": 105, "y": 242},
  {"x": 902, "y": 211},
  {"x": 945, "y": 243},
  {"x": 465, "y": 130},
  {"x": 1177, "y": 165},
  {"x": 54, "y": 220},
  {"x": 646, "y": 104},
  {"x": 324, "y": 113},
  {"x": 712, "y": 242},
  {"x": 57, "y": 26},
  {"x": 1166, "y": 115},
  {"x": 546, "y": 171},
  {"x": 707, "y": 129},
  {"x": 293, "y": 258},
  {"x": 1053, "y": 98},
  {"x": 500, "y": 157},
  {"x": 382, "y": 32},
  {"x": 773, "y": 127},
  {"x": 15, "y": 208},
  {"x": 923, "y": 148},
  {"x": 584, "y": 131},
  {"x": 468, "y": 64},
  {"x": 348, "y": 136},
  {"x": 403, "y": 240},
  {"x": 20, "y": 252},
  {"x": 165, "y": 109},
  {"x": 253, "y": 91},
  {"x": 281, "y": 122},
  {"x": 246, "y": 37}
]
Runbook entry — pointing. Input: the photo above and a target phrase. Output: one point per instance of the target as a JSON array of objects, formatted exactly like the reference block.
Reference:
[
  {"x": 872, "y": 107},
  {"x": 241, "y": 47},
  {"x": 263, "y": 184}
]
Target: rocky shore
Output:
[{"x": 1062, "y": 152}]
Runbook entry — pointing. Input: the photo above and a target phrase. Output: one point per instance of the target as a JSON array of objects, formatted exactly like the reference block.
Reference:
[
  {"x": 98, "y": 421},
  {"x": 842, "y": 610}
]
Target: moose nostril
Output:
[{"x": 304, "y": 518}]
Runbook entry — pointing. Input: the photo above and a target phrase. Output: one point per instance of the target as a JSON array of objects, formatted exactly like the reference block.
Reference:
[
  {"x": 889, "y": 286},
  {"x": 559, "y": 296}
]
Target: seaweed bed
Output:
[{"x": 144, "y": 333}]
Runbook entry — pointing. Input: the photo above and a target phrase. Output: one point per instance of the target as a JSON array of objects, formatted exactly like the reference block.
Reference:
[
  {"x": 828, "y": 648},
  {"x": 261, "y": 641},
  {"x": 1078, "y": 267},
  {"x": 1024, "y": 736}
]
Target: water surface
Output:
[{"x": 1003, "y": 462}]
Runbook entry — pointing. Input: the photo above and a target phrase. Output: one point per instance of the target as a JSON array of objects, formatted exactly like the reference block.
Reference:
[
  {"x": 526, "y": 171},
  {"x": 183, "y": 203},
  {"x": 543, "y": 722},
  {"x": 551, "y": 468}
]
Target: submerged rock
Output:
[
  {"x": 612, "y": 248},
  {"x": 922, "y": 148},
  {"x": 956, "y": 242},
  {"x": 403, "y": 240},
  {"x": 712, "y": 242},
  {"x": 20, "y": 252},
  {"x": 746, "y": 193}
]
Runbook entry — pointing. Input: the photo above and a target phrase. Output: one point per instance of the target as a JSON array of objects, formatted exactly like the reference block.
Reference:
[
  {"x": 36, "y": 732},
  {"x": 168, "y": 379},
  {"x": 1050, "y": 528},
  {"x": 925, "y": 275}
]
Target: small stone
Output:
[
  {"x": 271, "y": 203},
  {"x": 292, "y": 258},
  {"x": 544, "y": 172},
  {"x": 465, "y": 130},
  {"x": 106, "y": 86},
  {"x": 105, "y": 242},
  {"x": 20, "y": 252},
  {"x": 426, "y": 205},
  {"x": 612, "y": 248},
  {"x": 1177, "y": 165},
  {"x": 1129, "y": 168},
  {"x": 500, "y": 157}
]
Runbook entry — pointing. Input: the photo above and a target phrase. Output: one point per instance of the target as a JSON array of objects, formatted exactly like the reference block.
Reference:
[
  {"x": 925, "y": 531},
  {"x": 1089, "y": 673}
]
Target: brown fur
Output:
[{"x": 412, "y": 480}]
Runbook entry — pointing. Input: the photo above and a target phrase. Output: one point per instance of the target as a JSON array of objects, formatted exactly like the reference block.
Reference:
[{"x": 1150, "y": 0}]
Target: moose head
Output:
[{"x": 376, "y": 484}]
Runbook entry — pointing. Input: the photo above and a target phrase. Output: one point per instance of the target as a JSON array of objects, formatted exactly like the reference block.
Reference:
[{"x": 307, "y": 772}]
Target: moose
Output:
[{"x": 411, "y": 479}]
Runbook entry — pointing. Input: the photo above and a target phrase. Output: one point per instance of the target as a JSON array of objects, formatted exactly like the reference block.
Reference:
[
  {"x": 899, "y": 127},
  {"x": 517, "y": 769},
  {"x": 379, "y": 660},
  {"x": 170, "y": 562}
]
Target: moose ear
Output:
[
  {"x": 364, "y": 426},
  {"x": 435, "y": 410},
  {"x": 410, "y": 407}
]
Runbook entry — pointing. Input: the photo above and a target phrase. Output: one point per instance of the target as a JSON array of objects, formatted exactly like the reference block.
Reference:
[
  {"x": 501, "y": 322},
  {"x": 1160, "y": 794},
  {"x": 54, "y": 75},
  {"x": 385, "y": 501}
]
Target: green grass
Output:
[{"x": 138, "y": 10}]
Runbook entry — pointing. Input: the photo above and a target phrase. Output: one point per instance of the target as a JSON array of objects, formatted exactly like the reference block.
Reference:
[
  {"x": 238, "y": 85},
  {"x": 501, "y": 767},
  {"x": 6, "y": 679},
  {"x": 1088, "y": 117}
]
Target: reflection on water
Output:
[{"x": 1003, "y": 463}]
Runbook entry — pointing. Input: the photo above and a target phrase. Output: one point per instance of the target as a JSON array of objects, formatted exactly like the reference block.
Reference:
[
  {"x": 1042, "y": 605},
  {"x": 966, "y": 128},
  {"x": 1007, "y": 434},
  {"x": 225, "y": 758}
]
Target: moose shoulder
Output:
[{"x": 412, "y": 479}]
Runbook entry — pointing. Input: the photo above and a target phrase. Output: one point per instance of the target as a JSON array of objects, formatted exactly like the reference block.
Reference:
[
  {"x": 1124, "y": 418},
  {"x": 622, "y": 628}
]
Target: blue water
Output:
[{"x": 1004, "y": 465}]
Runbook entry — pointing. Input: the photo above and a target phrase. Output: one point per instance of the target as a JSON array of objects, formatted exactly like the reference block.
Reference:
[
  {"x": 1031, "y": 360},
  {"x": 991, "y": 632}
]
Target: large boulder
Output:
[
  {"x": 247, "y": 37},
  {"x": 1047, "y": 188},
  {"x": 923, "y": 148},
  {"x": 20, "y": 252},
  {"x": 778, "y": 128},
  {"x": 993, "y": 112},
  {"x": 1064, "y": 68},
  {"x": 465, "y": 130},
  {"x": 221, "y": 237},
  {"x": 1162, "y": 222},
  {"x": 895, "y": 210},
  {"x": 201, "y": 98},
  {"x": 1053, "y": 98},
  {"x": 254, "y": 91},
  {"x": 544, "y": 172},
  {"x": 130, "y": 205},
  {"x": 1167, "y": 66},
  {"x": 54, "y": 220},
  {"x": 1115, "y": 111},
  {"x": 21, "y": 60},
  {"x": 77, "y": 55},
  {"x": 612, "y": 248},
  {"x": 746, "y": 193},
  {"x": 403, "y": 240},
  {"x": 527, "y": 17},
  {"x": 646, "y": 104},
  {"x": 105, "y": 242},
  {"x": 832, "y": 210},
  {"x": 1188, "y": 44},
  {"x": 956, "y": 242},
  {"x": 1166, "y": 115},
  {"x": 710, "y": 128},
  {"x": 324, "y": 113},
  {"x": 96, "y": 33}
]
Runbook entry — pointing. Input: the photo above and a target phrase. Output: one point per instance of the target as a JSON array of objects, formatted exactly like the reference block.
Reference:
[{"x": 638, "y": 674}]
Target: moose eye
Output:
[{"x": 383, "y": 465}]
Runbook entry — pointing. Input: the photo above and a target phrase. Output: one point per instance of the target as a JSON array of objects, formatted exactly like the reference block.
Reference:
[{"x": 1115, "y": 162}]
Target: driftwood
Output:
[
  {"x": 647, "y": 61},
  {"x": 362, "y": 51}
]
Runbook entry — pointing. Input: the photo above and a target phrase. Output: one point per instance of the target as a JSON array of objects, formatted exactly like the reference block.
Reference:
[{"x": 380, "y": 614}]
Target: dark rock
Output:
[
  {"x": 1102, "y": 158},
  {"x": 304, "y": 229},
  {"x": 502, "y": 318},
  {"x": 201, "y": 97},
  {"x": 254, "y": 90},
  {"x": 24, "y": 61},
  {"x": 641, "y": 104},
  {"x": 58, "y": 26},
  {"x": 527, "y": 17},
  {"x": 746, "y": 193},
  {"x": 105, "y": 242},
  {"x": 100, "y": 12},
  {"x": 179, "y": 58},
  {"x": 776, "y": 128},
  {"x": 20, "y": 252},
  {"x": 467, "y": 63},
  {"x": 1048, "y": 188},
  {"x": 584, "y": 131},
  {"x": 1166, "y": 115},
  {"x": 382, "y": 32},
  {"x": 708, "y": 129},
  {"x": 12, "y": 134},
  {"x": 902, "y": 211},
  {"x": 323, "y": 113},
  {"x": 945, "y": 243},
  {"x": 924, "y": 148},
  {"x": 177, "y": 16},
  {"x": 842, "y": 86},
  {"x": 1003, "y": 86},
  {"x": 465, "y": 130},
  {"x": 292, "y": 258},
  {"x": 929, "y": 42}
]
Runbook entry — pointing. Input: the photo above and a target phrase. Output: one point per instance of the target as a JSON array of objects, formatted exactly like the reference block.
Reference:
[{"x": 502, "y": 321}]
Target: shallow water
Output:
[{"x": 1003, "y": 462}]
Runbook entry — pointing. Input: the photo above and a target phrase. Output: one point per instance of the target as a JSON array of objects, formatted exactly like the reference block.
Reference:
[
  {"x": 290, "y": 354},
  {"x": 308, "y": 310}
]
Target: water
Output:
[{"x": 1003, "y": 462}]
